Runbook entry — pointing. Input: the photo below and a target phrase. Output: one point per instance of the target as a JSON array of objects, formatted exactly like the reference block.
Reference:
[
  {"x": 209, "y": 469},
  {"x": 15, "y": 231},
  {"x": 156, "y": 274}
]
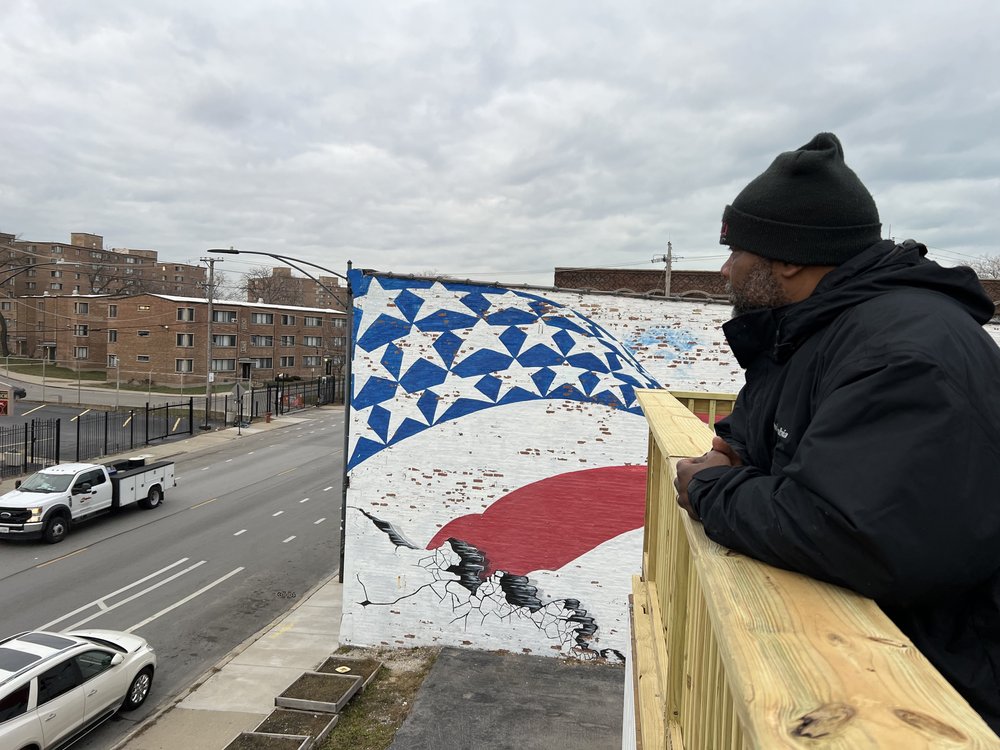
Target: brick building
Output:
[
  {"x": 644, "y": 281},
  {"x": 283, "y": 288},
  {"x": 164, "y": 338},
  {"x": 84, "y": 266}
]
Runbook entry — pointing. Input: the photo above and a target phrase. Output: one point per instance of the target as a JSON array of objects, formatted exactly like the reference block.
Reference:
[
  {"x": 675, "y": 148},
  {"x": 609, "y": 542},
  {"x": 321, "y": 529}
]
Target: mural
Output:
[{"x": 497, "y": 460}]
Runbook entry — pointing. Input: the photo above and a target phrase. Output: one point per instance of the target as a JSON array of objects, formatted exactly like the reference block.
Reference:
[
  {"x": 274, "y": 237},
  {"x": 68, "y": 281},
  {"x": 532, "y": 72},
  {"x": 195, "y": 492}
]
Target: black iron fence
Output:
[
  {"x": 28, "y": 447},
  {"x": 103, "y": 433}
]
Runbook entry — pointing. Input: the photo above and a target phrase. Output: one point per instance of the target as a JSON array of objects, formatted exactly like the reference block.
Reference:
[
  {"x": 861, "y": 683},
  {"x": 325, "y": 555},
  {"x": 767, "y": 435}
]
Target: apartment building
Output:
[
  {"x": 283, "y": 288},
  {"x": 165, "y": 338},
  {"x": 84, "y": 266}
]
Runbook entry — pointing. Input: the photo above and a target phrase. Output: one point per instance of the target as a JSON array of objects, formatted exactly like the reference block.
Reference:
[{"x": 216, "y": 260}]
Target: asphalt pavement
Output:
[{"x": 470, "y": 699}]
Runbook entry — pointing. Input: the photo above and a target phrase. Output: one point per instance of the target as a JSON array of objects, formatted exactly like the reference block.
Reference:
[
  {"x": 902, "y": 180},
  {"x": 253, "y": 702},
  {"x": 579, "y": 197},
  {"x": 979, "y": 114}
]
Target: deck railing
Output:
[{"x": 731, "y": 653}]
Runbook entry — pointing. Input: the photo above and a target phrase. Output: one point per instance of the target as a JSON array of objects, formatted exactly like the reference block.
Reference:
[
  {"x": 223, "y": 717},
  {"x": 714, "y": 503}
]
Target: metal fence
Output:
[
  {"x": 103, "y": 433},
  {"x": 27, "y": 447},
  {"x": 271, "y": 399}
]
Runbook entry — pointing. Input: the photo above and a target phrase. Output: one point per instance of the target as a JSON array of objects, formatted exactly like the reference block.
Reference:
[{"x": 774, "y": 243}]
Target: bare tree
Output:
[
  {"x": 260, "y": 283},
  {"x": 226, "y": 287},
  {"x": 986, "y": 266}
]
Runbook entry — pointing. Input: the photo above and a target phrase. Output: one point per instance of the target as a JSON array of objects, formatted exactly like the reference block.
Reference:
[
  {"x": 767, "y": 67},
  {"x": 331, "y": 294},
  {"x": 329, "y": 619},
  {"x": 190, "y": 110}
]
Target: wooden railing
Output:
[{"x": 731, "y": 653}]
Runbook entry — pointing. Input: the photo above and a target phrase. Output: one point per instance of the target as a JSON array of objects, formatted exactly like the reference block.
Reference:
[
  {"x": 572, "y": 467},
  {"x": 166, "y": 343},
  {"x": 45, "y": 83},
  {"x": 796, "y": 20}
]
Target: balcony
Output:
[{"x": 728, "y": 652}]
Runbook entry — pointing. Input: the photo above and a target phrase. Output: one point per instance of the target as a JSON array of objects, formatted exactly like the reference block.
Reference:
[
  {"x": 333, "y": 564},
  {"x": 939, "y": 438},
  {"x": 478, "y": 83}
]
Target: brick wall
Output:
[{"x": 642, "y": 281}]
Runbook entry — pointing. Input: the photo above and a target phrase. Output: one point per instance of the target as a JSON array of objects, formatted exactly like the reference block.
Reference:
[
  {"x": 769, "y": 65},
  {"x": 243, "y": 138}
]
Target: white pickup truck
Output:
[{"x": 48, "y": 503}]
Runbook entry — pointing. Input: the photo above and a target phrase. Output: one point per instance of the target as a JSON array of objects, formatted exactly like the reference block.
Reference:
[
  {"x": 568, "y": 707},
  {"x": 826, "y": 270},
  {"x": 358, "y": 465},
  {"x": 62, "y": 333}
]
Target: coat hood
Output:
[{"x": 882, "y": 268}]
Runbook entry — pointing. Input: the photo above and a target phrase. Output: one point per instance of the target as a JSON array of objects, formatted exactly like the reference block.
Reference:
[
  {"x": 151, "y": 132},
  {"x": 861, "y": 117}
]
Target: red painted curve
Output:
[{"x": 546, "y": 524}]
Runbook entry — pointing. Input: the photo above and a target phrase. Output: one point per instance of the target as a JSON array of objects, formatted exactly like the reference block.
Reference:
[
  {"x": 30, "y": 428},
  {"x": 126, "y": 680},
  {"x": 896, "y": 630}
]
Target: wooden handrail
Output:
[{"x": 730, "y": 652}]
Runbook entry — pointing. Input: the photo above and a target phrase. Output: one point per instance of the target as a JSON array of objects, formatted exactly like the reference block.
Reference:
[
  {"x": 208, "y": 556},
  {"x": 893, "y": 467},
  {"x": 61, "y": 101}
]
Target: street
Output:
[{"x": 248, "y": 529}]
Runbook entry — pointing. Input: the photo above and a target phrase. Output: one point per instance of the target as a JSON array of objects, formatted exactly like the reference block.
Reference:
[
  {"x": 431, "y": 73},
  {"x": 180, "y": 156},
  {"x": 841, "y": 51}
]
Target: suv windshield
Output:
[{"x": 42, "y": 482}]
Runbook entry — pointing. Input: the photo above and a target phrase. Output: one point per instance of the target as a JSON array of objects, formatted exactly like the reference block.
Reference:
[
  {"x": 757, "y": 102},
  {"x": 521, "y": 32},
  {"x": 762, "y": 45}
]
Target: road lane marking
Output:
[
  {"x": 250, "y": 453},
  {"x": 319, "y": 521},
  {"x": 241, "y": 531},
  {"x": 204, "y": 503},
  {"x": 73, "y": 419},
  {"x": 288, "y": 540},
  {"x": 60, "y": 559},
  {"x": 304, "y": 500},
  {"x": 205, "y": 468},
  {"x": 327, "y": 489},
  {"x": 185, "y": 600},
  {"x": 228, "y": 460},
  {"x": 277, "y": 514},
  {"x": 32, "y": 411},
  {"x": 100, "y": 602},
  {"x": 286, "y": 471}
]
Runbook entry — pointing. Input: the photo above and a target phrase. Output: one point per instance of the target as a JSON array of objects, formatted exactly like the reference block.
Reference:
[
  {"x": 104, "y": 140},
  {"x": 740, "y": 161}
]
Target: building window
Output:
[
  {"x": 55, "y": 274},
  {"x": 80, "y": 329},
  {"x": 81, "y": 308},
  {"x": 311, "y": 361},
  {"x": 185, "y": 339},
  {"x": 312, "y": 341},
  {"x": 4, "y": 305},
  {"x": 223, "y": 316},
  {"x": 288, "y": 341},
  {"x": 262, "y": 341},
  {"x": 55, "y": 286},
  {"x": 287, "y": 361},
  {"x": 223, "y": 365},
  {"x": 339, "y": 322},
  {"x": 97, "y": 256},
  {"x": 142, "y": 333},
  {"x": 183, "y": 365},
  {"x": 223, "y": 339},
  {"x": 130, "y": 259},
  {"x": 262, "y": 318},
  {"x": 287, "y": 320},
  {"x": 30, "y": 285},
  {"x": 56, "y": 249},
  {"x": 112, "y": 311},
  {"x": 312, "y": 322},
  {"x": 143, "y": 308},
  {"x": 262, "y": 363},
  {"x": 142, "y": 358},
  {"x": 338, "y": 341},
  {"x": 185, "y": 313},
  {"x": 79, "y": 352},
  {"x": 112, "y": 335},
  {"x": 178, "y": 278},
  {"x": 112, "y": 360}
]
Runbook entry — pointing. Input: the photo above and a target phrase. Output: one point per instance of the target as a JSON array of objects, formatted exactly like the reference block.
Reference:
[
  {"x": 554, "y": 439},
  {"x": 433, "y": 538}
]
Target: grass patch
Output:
[
  {"x": 371, "y": 718},
  {"x": 35, "y": 367}
]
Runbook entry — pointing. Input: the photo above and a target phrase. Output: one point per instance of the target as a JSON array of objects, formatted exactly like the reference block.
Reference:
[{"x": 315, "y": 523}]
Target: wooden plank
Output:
[
  {"x": 650, "y": 723},
  {"x": 676, "y": 430}
]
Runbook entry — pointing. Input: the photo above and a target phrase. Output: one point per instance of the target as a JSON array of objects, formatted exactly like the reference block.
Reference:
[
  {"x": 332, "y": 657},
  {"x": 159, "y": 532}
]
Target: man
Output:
[{"x": 864, "y": 448}]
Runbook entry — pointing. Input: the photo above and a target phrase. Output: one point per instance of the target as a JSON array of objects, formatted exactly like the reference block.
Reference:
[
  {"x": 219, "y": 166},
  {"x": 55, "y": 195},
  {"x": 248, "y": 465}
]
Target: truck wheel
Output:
[
  {"x": 56, "y": 529},
  {"x": 154, "y": 498}
]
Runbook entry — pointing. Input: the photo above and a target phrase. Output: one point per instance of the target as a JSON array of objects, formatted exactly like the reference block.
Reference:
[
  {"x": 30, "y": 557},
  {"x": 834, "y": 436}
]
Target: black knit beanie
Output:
[{"x": 807, "y": 208}]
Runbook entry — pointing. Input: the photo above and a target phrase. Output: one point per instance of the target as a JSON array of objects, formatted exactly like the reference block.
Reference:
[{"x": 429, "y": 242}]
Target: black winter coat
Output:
[{"x": 870, "y": 430}]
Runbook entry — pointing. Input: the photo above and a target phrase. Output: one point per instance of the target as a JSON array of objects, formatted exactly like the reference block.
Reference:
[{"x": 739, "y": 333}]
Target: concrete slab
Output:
[
  {"x": 194, "y": 730},
  {"x": 514, "y": 702},
  {"x": 293, "y": 649},
  {"x": 239, "y": 688},
  {"x": 311, "y": 619}
]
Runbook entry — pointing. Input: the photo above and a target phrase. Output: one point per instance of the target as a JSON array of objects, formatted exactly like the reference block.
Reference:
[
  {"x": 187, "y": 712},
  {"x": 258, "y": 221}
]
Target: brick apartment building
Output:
[
  {"x": 164, "y": 338},
  {"x": 84, "y": 266},
  {"x": 283, "y": 288}
]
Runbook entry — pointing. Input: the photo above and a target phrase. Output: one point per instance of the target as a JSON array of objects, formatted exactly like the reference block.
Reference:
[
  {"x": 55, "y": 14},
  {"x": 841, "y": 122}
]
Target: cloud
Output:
[{"x": 488, "y": 140}]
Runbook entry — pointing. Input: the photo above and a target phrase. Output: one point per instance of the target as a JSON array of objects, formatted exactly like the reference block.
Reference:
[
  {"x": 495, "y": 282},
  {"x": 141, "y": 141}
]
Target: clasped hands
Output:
[{"x": 721, "y": 454}]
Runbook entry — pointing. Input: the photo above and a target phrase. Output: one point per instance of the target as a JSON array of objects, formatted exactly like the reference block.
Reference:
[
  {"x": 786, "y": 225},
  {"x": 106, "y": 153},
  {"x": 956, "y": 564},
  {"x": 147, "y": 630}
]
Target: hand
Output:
[{"x": 721, "y": 454}]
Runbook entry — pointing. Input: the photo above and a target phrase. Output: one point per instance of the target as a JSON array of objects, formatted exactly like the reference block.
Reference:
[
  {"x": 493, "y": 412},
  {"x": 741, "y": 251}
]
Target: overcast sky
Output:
[{"x": 486, "y": 140}]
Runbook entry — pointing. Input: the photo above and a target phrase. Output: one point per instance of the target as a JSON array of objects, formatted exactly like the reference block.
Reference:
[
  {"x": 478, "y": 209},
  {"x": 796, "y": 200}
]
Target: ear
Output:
[{"x": 787, "y": 270}]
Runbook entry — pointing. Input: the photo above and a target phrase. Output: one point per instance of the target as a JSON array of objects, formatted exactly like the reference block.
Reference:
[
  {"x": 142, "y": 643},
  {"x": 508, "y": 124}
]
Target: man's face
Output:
[{"x": 751, "y": 283}]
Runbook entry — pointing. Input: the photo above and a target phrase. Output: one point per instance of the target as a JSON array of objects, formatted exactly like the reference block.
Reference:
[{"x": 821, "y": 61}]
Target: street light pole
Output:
[
  {"x": 208, "y": 344},
  {"x": 345, "y": 483}
]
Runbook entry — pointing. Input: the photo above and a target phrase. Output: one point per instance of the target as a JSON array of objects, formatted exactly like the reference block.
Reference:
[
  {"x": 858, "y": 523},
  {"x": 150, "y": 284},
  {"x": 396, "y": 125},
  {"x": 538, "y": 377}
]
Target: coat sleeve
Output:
[
  {"x": 885, "y": 493},
  {"x": 732, "y": 428}
]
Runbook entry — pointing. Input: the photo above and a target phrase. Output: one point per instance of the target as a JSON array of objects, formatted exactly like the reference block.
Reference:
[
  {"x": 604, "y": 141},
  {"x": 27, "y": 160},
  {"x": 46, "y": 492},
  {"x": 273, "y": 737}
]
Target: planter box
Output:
[
  {"x": 316, "y": 691},
  {"x": 291, "y": 721},
  {"x": 365, "y": 669},
  {"x": 261, "y": 741}
]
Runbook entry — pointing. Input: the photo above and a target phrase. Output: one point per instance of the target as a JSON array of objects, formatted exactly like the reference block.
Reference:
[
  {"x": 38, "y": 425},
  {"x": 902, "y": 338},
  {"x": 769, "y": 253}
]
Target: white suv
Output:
[{"x": 56, "y": 687}]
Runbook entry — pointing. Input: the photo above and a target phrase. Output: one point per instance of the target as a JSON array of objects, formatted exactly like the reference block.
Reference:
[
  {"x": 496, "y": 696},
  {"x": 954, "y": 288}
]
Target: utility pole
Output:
[
  {"x": 208, "y": 348},
  {"x": 668, "y": 260}
]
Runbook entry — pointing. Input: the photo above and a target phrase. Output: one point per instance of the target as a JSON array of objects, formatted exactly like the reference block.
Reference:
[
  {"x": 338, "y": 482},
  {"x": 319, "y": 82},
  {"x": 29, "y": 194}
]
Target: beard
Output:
[{"x": 757, "y": 290}]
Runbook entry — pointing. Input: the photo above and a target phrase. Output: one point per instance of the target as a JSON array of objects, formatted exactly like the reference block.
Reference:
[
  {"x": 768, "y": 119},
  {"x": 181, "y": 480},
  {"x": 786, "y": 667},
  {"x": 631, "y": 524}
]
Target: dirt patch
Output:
[
  {"x": 289, "y": 721},
  {"x": 370, "y": 719},
  {"x": 251, "y": 741},
  {"x": 330, "y": 688},
  {"x": 351, "y": 665}
]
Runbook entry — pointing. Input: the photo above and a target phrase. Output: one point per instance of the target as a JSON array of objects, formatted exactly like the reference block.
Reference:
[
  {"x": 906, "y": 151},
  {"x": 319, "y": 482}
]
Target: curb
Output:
[{"x": 174, "y": 700}]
